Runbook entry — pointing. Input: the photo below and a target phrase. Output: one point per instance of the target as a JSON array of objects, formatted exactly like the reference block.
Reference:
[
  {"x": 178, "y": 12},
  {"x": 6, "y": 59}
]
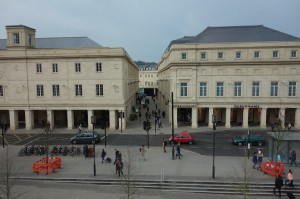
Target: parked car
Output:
[
  {"x": 253, "y": 139},
  {"x": 86, "y": 137},
  {"x": 183, "y": 137}
]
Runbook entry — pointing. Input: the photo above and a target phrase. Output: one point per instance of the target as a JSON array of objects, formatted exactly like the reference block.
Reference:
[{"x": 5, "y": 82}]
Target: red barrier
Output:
[
  {"x": 273, "y": 168},
  {"x": 42, "y": 166}
]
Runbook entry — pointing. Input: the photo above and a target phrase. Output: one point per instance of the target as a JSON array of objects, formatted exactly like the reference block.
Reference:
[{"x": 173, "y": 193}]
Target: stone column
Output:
[
  {"x": 210, "y": 113},
  {"x": 245, "y": 118},
  {"x": 123, "y": 121},
  {"x": 195, "y": 117},
  {"x": 281, "y": 116},
  {"x": 112, "y": 119},
  {"x": 228, "y": 114},
  {"x": 70, "y": 118},
  {"x": 263, "y": 118},
  {"x": 29, "y": 119},
  {"x": 297, "y": 118},
  {"x": 50, "y": 117},
  {"x": 90, "y": 114},
  {"x": 175, "y": 118},
  {"x": 13, "y": 119}
]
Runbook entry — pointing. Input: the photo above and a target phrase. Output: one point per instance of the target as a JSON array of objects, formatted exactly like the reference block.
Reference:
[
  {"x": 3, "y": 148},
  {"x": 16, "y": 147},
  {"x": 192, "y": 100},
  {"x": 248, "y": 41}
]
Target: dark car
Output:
[
  {"x": 183, "y": 137},
  {"x": 253, "y": 139},
  {"x": 86, "y": 137}
]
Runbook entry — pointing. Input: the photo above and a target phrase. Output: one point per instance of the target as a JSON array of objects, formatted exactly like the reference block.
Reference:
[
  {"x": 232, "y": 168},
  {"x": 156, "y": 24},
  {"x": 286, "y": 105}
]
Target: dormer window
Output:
[{"x": 16, "y": 38}]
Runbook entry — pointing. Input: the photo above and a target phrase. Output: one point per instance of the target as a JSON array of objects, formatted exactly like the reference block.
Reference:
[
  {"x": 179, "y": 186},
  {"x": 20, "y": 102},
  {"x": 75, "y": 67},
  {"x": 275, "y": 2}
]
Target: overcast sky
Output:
[{"x": 145, "y": 27}]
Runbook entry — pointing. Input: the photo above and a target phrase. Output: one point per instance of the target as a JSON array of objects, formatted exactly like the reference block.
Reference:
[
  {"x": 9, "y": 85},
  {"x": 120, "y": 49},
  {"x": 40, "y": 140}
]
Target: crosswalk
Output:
[{"x": 13, "y": 139}]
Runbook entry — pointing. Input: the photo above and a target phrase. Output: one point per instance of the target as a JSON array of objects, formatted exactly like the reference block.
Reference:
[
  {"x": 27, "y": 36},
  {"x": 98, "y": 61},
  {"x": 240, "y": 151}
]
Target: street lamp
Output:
[
  {"x": 214, "y": 121},
  {"x": 248, "y": 143},
  {"x": 121, "y": 115},
  {"x": 173, "y": 147},
  {"x": 93, "y": 121},
  {"x": 4, "y": 129},
  {"x": 47, "y": 131}
]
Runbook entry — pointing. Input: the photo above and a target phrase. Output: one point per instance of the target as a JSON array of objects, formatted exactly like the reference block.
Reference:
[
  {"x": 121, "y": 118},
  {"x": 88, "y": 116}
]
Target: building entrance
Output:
[{"x": 184, "y": 116}]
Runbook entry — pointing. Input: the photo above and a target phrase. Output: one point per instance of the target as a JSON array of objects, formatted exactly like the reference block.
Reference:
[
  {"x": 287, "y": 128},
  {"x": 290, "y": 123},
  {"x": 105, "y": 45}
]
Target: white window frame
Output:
[
  {"x": 203, "y": 89},
  {"x": 98, "y": 67},
  {"x": 183, "y": 56},
  {"x": 220, "y": 55},
  {"x": 220, "y": 89},
  {"x": 292, "y": 88},
  {"x": 183, "y": 89},
  {"x": 275, "y": 54},
  {"x": 274, "y": 89},
  {"x": 39, "y": 90},
  {"x": 55, "y": 68},
  {"x": 1, "y": 91},
  {"x": 78, "y": 89},
  {"x": 255, "y": 89},
  {"x": 39, "y": 68},
  {"x": 55, "y": 90},
  {"x": 256, "y": 54},
  {"x": 77, "y": 67},
  {"x": 99, "y": 90},
  {"x": 237, "y": 90},
  {"x": 16, "y": 38}
]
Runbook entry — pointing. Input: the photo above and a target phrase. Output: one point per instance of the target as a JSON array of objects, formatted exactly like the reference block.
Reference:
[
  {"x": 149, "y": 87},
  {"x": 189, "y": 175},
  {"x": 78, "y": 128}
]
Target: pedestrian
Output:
[
  {"x": 164, "y": 145},
  {"x": 254, "y": 159},
  {"x": 278, "y": 185},
  {"x": 290, "y": 179},
  {"x": 163, "y": 114},
  {"x": 118, "y": 167},
  {"x": 289, "y": 126},
  {"x": 260, "y": 156},
  {"x": 79, "y": 128},
  {"x": 293, "y": 158},
  {"x": 142, "y": 152},
  {"x": 178, "y": 153},
  {"x": 117, "y": 152},
  {"x": 159, "y": 123},
  {"x": 85, "y": 150},
  {"x": 103, "y": 154}
]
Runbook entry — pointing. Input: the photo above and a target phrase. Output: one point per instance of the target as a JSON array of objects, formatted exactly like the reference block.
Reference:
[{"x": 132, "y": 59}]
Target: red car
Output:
[{"x": 183, "y": 137}]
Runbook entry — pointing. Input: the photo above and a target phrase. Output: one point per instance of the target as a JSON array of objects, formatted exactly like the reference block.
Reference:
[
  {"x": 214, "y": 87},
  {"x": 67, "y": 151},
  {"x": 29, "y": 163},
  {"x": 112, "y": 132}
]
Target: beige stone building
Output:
[
  {"x": 245, "y": 75},
  {"x": 148, "y": 80},
  {"x": 64, "y": 81}
]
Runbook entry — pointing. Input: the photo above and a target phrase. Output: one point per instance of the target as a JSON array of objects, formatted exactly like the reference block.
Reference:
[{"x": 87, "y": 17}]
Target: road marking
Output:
[{"x": 17, "y": 137}]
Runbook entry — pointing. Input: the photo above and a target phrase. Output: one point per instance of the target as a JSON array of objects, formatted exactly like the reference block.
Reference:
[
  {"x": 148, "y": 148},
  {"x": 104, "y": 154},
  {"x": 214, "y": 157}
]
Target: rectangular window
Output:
[
  {"x": 274, "y": 89},
  {"x": 55, "y": 90},
  {"x": 238, "y": 55},
  {"x": 29, "y": 39},
  {"x": 183, "y": 89},
  {"x": 275, "y": 54},
  {"x": 220, "y": 89},
  {"x": 16, "y": 38},
  {"x": 98, "y": 67},
  {"x": 54, "y": 68},
  {"x": 38, "y": 68},
  {"x": 292, "y": 89},
  {"x": 183, "y": 56},
  {"x": 1, "y": 90},
  {"x": 99, "y": 89},
  {"x": 255, "y": 89},
  {"x": 203, "y": 55},
  {"x": 237, "y": 89},
  {"x": 256, "y": 54},
  {"x": 39, "y": 90},
  {"x": 203, "y": 89},
  {"x": 220, "y": 55},
  {"x": 293, "y": 54},
  {"x": 78, "y": 89},
  {"x": 77, "y": 68}
]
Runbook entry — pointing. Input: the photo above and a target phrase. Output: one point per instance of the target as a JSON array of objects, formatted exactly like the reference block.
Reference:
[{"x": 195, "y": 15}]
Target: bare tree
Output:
[
  {"x": 279, "y": 134},
  {"x": 7, "y": 182}
]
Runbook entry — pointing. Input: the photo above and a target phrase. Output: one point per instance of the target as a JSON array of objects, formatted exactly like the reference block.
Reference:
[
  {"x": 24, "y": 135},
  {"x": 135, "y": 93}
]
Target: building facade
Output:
[
  {"x": 64, "y": 81},
  {"x": 245, "y": 75},
  {"x": 148, "y": 80}
]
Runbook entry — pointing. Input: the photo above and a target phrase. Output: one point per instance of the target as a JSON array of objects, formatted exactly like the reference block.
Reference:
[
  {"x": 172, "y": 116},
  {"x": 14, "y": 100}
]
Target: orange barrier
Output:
[
  {"x": 42, "y": 166},
  {"x": 273, "y": 168}
]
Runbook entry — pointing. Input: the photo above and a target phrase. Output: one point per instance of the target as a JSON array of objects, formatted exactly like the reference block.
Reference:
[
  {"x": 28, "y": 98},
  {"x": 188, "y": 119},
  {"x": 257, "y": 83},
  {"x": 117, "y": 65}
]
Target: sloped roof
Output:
[
  {"x": 60, "y": 42},
  {"x": 226, "y": 34}
]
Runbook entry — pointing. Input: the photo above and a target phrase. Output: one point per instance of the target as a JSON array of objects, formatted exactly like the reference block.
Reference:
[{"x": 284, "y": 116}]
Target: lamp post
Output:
[
  {"x": 47, "y": 131},
  {"x": 248, "y": 144},
  {"x": 173, "y": 147},
  {"x": 214, "y": 121},
  {"x": 93, "y": 120},
  {"x": 3, "y": 129},
  {"x": 103, "y": 126}
]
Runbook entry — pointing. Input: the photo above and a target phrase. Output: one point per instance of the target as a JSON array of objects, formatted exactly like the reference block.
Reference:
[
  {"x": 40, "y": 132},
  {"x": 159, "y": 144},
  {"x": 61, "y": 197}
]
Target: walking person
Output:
[
  {"x": 159, "y": 123},
  {"x": 164, "y": 145},
  {"x": 118, "y": 167},
  {"x": 103, "y": 154},
  {"x": 85, "y": 150},
  {"x": 259, "y": 159},
  {"x": 278, "y": 185},
  {"x": 289, "y": 126},
  {"x": 117, "y": 152},
  {"x": 163, "y": 114},
  {"x": 178, "y": 151},
  {"x": 142, "y": 152},
  {"x": 290, "y": 179},
  {"x": 254, "y": 159},
  {"x": 79, "y": 129},
  {"x": 293, "y": 158}
]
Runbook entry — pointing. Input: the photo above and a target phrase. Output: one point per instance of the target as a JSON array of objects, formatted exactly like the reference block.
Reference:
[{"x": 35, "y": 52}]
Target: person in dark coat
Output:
[
  {"x": 103, "y": 154},
  {"x": 278, "y": 185},
  {"x": 254, "y": 159}
]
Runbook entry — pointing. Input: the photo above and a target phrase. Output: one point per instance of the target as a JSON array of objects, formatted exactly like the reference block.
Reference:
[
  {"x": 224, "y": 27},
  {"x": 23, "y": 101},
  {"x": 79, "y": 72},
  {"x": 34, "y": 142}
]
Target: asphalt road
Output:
[{"x": 203, "y": 144}]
